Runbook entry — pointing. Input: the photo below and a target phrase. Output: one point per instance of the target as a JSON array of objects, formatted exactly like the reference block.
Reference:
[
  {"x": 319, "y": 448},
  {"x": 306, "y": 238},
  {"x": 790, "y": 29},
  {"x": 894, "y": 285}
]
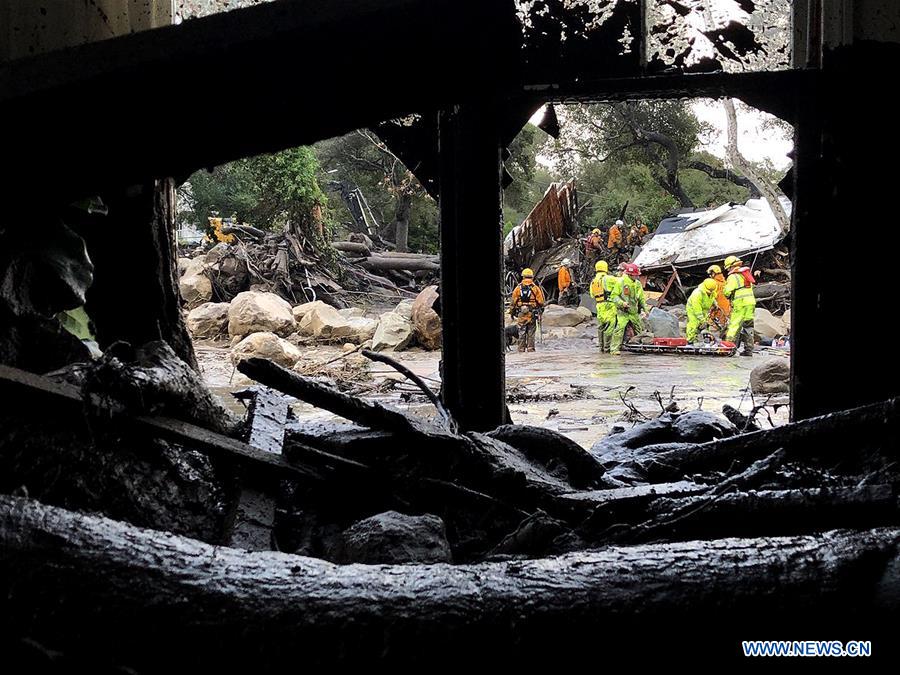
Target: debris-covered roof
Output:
[
  {"x": 551, "y": 219},
  {"x": 706, "y": 236}
]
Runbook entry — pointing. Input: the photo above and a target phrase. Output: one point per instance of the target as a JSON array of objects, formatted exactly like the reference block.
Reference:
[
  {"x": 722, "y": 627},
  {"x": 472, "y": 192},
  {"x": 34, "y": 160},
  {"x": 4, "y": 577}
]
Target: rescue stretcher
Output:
[{"x": 682, "y": 346}]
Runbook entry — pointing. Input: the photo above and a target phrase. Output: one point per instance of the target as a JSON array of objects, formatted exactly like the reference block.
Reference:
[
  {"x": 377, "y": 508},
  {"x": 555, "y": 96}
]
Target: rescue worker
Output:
[
  {"x": 525, "y": 308},
  {"x": 564, "y": 281},
  {"x": 699, "y": 304},
  {"x": 739, "y": 290},
  {"x": 593, "y": 245},
  {"x": 722, "y": 308},
  {"x": 614, "y": 239},
  {"x": 630, "y": 303},
  {"x": 602, "y": 287},
  {"x": 643, "y": 230}
]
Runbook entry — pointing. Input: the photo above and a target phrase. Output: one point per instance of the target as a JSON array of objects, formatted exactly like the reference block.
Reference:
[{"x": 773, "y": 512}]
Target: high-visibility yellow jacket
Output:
[
  {"x": 602, "y": 286},
  {"x": 628, "y": 296},
  {"x": 700, "y": 302},
  {"x": 738, "y": 291}
]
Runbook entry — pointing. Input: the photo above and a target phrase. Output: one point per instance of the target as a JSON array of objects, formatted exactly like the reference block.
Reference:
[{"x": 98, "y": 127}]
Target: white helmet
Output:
[
  {"x": 619, "y": 222},
  {"x": 566, "y": 262}
]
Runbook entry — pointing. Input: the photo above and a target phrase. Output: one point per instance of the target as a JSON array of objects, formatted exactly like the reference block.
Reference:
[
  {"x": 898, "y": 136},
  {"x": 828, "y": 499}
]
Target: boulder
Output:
[
  {"x": 362, "y": 329},
  {"x": 557, "y": 316},
  {"x": 183, "y": 264},
  {"x": 194, "y": 286},
  {"x": 771, "y": 377},
  {"x": 678, "y": 311},
  {"x": 324, "y": 322},
  {"x": 208, "y": 320},
  {"x": 216, "y": 253},
  {"x": 404, "y": 309},
  {"x": 352, "y": 312},
  {"x": 768, "y": 325},
  {"x": 425, "y": 320},
  {"x": 266, "y": 345},
  {"x": 586, "y": 314},
  {"x": 254, "y": 312},
  {"x": 393, "y": 538},
  {"x": 300, "y": 310},
  {"x": 394, "y": 332},
  {"x": 786, "y": 320},
  {"x": 662, "y": 324}
]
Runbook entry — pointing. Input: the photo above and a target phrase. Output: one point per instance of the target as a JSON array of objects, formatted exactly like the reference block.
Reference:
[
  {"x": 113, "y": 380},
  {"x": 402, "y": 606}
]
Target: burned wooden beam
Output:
[
  {"x": 22, "y": 384},
  {"x": 473, "y": 373}
]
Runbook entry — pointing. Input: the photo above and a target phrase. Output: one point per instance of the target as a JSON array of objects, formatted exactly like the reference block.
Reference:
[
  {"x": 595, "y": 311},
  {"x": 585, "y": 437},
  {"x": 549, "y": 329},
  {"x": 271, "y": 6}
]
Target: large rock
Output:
[
  {"x": 254, "y": 312},
  {"x": 557, "y": 316},
  {"x": 393, "y": 538},
  {"x": 425, "y": 320},
  {"x": 771, "y": 377},
  {"x": 768, "y": 325},
  {"x": 662, "y": 324},
  {"x": 216, "y": 253},
  {"x": 586, "y": 314},
  {"x": 394, "y": 332},
  {"x": 786, "y": 320},
  {"x": 352, "y": 312},
  {"x": 194, "y": 286},
  {"x": 362, "y": 329},
  {"x": 266, "y": 345},
  {"x": 300, "y": 310},
  {"x": 404, "y": 309},
  {"x": 208, "y": 320},
  {"x": 324, "y": 322},
  {"x": 183, "y": 264}
]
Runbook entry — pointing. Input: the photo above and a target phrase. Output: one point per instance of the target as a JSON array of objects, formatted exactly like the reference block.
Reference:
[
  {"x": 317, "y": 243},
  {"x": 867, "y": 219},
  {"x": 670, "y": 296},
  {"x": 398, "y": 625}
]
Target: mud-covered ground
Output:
[{"x": 566, "y": 385}]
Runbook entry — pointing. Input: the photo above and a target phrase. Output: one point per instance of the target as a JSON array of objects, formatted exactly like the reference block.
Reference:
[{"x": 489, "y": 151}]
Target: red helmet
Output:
[{"x": 632, "y": 270}]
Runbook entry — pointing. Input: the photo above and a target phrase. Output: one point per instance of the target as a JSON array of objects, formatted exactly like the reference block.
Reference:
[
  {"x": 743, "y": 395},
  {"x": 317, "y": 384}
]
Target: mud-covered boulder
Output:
[
  {"x": 767, "y": 324},
  {"x": 183, "y": 264},
  {"x": 557, "y": 316},
  {"x": 425, "y": 320},
  {"x": 266, "y": 345},
  {"x": 786, "y": 320},
  {"x": 394, "y": 332},
  {"x": 404, "y": 308},
  {"x": 362, "y": 329},
  {"x": 586, "y": 314},
  {"x": 209, "y": 320},
  {"x": 662, "y": 324},
  {"x": 194, "y": 286},
  {"x": 323, "y": 322},
  {"x": 253, "y": 312},
  {"x": 771, "y": 377},
  {"x": 626, "y": 454},
  {"x": 301, "y": 310},
  {"x": 393, "y": 538}
]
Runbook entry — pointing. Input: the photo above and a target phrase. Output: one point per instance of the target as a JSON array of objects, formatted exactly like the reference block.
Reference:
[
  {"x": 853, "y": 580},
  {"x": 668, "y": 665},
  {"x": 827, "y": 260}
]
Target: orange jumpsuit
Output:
[
  {"x": 563, "y": 279},
  {"x": 615, "y": 237},
  {"x": 722, "y": 307}
]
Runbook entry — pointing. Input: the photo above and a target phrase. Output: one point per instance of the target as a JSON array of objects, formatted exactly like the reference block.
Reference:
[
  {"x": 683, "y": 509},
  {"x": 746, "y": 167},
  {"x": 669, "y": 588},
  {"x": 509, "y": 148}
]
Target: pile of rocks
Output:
[{"x": 264, "y": 324}]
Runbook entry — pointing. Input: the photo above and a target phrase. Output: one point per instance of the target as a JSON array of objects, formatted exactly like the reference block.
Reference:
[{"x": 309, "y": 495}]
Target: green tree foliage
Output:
[
  {"x": 396, "y": 198},
  {"x": 637, "y": 152},
  {"x": 267, "y": 191}
]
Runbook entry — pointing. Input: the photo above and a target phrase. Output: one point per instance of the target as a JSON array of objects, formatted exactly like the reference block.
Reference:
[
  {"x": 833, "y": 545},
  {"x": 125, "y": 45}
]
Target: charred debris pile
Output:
[{"x": 141, "y": 490}]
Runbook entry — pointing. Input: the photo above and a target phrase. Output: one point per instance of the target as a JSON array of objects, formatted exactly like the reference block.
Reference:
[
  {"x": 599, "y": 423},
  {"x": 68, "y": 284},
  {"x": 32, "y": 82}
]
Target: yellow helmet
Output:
[
  {"x": 714, "y": 269},
  {"x": 710, "y": 285},
  {"x": 731, "y": 261},
  {"x": 601, "y": 266},
  {"x": 528, "y": 273},
  {"x": 595, "y": 231}
]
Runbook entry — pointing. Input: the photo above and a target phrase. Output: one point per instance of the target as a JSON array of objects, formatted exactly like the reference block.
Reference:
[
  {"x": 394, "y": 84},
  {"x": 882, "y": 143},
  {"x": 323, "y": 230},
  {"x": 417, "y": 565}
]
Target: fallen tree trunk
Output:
[
  {"x": 100, "y": 589},
  {"x": 408, "y": 264},
  {"x": 351, "y": 247}
]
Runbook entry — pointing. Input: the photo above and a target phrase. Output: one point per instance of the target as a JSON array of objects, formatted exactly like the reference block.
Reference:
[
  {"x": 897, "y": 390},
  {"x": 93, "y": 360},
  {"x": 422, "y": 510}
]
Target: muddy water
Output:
[{"x": 570, "y": 387}]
